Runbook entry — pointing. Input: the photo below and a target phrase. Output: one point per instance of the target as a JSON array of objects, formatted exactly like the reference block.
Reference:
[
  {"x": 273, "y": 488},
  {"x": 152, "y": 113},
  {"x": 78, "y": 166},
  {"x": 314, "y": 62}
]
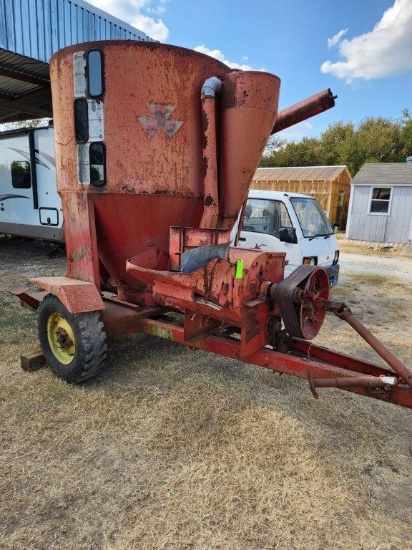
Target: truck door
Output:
[{"x": 262, "y": 220}]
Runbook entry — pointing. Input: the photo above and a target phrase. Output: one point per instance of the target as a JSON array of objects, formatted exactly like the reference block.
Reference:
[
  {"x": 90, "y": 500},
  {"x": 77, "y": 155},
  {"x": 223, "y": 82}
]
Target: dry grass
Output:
[
  {"x": 353, "y": 247},
  {"x": 179, "y": 449}
]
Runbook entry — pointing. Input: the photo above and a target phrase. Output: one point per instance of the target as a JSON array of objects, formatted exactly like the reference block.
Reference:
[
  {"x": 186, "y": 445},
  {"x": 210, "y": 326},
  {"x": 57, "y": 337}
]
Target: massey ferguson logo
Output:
[{"x": 160, "y": 120}]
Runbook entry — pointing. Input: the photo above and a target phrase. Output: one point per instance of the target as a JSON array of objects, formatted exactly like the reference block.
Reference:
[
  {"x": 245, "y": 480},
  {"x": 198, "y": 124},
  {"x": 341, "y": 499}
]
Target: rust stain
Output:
[{"x": 79, "y": 255}]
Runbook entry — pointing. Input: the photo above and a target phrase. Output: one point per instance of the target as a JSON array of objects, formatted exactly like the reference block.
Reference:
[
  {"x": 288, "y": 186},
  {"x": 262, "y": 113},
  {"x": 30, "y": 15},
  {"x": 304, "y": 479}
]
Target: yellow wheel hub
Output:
[{"x": 61, "y": 338}]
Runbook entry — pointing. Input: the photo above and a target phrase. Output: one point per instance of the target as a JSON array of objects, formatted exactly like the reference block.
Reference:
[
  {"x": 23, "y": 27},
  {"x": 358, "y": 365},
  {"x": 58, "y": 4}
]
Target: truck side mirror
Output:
[{"x": 288, "y": 235}]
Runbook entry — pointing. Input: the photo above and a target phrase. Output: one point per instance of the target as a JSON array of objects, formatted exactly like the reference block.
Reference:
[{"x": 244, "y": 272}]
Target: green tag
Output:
[{"x": 239, "y": 269}]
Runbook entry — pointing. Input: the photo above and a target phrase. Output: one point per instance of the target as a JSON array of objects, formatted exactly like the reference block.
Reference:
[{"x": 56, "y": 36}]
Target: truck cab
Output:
[{"x": 292, "y": 223}]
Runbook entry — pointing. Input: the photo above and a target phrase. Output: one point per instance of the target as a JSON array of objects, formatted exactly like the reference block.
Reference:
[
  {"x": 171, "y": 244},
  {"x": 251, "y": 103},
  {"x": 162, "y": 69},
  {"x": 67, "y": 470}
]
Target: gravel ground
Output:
[{"x": 399, "y": 267}]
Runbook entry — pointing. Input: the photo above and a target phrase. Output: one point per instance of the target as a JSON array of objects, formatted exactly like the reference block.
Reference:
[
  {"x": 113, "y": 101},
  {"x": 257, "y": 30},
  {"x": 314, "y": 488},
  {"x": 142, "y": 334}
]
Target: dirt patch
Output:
[{"x": 172, "y": 448}]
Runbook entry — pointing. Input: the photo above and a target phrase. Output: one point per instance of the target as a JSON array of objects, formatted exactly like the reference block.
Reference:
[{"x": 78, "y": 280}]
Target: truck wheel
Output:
[{"x": 74, "y": 344}]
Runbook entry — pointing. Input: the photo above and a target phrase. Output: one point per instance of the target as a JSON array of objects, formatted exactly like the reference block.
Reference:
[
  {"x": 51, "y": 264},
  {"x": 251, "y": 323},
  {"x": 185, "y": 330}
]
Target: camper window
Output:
[{"x": 20, "y": 174}]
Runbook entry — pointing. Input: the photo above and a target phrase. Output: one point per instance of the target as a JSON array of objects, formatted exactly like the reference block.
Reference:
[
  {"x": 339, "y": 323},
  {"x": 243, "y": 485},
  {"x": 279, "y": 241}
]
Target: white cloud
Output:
[
  {"x": 335, "y": 39},
  {"x": 155, "y": 29},
  {"x": 160, "y": 8},
  {"x": 297, "y": 132},
  {"x": 217, "y": 54},
  {"x": 383, "y": 52},
  {"x": 135, "y": 13}
]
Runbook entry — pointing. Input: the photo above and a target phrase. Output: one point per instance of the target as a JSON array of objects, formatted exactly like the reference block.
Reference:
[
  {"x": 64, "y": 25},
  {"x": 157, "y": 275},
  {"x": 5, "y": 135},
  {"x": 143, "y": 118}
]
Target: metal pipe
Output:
[
  {"x": 210, "y": 216},
  {"x": 363, "y": 381},
  {"x": 346, "y": 314},
  {"x": 305, "y": 109},
  {"x": 211, "y": 86}
]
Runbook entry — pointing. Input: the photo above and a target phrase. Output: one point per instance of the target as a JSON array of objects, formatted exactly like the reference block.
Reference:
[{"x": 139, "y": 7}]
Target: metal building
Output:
[
  {"x": 380, "y": 208},
  {"x": 30, "y": 32}
]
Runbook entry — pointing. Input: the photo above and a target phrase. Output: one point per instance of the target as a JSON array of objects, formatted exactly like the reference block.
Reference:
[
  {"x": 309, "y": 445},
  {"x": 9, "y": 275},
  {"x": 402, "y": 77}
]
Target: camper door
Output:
[{"x": 16, "y": 192}]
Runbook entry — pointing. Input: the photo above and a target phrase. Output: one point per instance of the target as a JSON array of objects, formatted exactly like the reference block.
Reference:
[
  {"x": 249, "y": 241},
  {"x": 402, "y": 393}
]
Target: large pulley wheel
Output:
[
  {"x": 312, "y": 311},
  {"x": 301, "y": 298},
  {"x": 74, "y": 344}
]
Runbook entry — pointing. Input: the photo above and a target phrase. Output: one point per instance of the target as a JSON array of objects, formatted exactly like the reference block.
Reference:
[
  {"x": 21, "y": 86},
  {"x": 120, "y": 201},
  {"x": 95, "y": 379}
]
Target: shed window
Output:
[
  {"x": 380, "y": 200},
  {"x": 20, "y": 174}
]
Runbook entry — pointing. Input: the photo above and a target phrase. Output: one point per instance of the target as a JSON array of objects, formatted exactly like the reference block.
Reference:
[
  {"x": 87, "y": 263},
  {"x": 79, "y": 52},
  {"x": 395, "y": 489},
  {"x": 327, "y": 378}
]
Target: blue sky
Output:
[{"x": 361, "y": 49}]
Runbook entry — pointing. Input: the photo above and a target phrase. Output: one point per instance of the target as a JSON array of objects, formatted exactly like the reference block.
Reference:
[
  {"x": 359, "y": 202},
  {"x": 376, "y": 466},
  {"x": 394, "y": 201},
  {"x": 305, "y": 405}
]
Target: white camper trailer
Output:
[{"x": 29, "y": 203}]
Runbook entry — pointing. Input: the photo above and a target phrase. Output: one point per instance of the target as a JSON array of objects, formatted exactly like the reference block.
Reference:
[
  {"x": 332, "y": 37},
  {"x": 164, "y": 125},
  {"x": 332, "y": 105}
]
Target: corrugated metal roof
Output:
[
  {"x": 390, "y": 173},
  {"x": 38, "y": 28},
  {"x": 30, "y": 32},
  {"x": 304, "y": 173},
  {"x": 24, "y": 88},
  {"x": 13, "y": 87}
]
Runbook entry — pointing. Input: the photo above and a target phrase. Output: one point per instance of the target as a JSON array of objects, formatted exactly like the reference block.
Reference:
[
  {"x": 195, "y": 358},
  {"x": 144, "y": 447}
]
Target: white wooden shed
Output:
[{"x": 380, "y": 206}]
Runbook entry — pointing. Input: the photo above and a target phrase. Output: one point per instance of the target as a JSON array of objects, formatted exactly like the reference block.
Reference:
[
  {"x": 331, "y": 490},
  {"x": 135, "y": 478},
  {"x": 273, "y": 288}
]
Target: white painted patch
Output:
[
  {"x": 96, "y": 123},
  {"x": 83, "y": 163},
  {"x": 79, "y": 74},
  {"x": 95, "y": 116},
  {"x": 389, "y": 380}
]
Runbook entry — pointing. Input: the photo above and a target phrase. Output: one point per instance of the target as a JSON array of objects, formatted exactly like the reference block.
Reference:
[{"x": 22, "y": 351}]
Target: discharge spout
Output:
[{"x": 305, "y": 109}]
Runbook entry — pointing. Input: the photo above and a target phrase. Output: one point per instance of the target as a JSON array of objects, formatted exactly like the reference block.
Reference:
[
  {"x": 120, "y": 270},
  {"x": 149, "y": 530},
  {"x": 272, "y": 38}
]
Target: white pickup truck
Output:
[{"x": 292, "y": 223}]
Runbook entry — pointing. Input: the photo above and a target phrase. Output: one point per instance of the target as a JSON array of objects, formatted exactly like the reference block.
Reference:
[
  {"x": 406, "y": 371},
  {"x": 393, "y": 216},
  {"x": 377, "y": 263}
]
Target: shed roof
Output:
[
  {"x": 390, "y": 173},
  {"x": 30, "y": 32},
  {"x": 303, "y": 173}
]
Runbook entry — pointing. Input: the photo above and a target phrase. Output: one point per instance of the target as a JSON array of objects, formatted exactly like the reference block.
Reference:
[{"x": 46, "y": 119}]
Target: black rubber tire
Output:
[{"x": 90, "y": 346}]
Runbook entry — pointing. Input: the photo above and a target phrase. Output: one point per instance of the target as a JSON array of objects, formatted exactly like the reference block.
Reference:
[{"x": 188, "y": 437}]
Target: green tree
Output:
[
  {"x": 337, "y": 143},
  {"x": 304, "y": 153},
  {"x": 405, "y": 135},
  {"x": 31, "y": 123},
  {"x": 373, "y": 140}
]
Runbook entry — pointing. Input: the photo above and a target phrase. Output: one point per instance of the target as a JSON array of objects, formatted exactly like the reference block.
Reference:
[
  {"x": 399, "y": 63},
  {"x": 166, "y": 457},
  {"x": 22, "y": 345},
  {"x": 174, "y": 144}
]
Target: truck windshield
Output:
[
  {"x": 265, "y": 216},
  {"x": 312, "y": 218}
]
